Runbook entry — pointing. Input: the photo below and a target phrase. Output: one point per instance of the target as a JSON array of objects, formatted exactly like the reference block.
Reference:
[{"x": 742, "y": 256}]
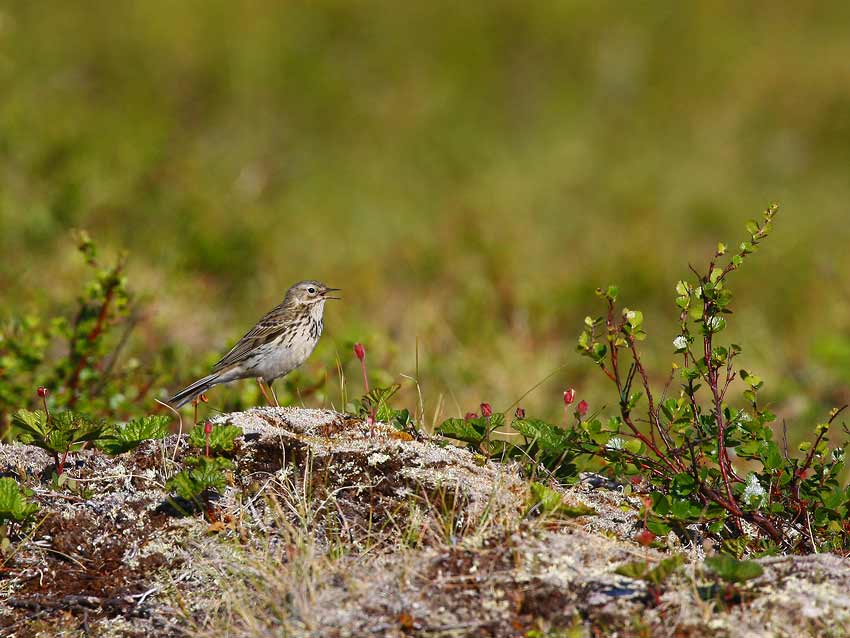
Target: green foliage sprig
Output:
[
  {"x": 221, "y": 438},
  {"x": 683, "y": 446},
  {"x": 203, "y": 475},
  {"x": 90, "y": 375},
  {"x": 129, "y": 436}
]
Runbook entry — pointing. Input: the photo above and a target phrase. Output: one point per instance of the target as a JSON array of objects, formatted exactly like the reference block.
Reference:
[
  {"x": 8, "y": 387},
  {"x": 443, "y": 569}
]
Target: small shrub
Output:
[
  {"x": 683, "y": 446},
  {"x": 90, "y": 374}
]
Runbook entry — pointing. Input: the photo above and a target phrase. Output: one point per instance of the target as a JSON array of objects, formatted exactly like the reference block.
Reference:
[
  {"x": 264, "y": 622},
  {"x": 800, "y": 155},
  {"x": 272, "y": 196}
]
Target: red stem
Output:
[
  {"x": 61, "y": 466},
  {"x": 73, "y": 382},
  {"x": 365, "y": 376}
]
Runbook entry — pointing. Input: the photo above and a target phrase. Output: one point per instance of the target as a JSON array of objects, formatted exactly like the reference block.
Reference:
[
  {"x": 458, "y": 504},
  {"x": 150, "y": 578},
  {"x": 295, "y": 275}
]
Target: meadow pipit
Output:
[{"x": 280, "y": 342}]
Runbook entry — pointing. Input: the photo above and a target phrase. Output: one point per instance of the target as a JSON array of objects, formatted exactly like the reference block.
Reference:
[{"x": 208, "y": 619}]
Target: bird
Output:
[{"x": 280, "y": 342}]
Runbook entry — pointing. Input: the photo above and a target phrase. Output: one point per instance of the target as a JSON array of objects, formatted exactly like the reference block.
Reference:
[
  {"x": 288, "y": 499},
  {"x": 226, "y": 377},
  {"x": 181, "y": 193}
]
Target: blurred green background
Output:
[{"x": 467, "y": 172}]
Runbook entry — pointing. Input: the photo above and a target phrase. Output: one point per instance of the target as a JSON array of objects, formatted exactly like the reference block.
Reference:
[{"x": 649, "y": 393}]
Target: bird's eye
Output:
[{"x": 311, "y": 290}]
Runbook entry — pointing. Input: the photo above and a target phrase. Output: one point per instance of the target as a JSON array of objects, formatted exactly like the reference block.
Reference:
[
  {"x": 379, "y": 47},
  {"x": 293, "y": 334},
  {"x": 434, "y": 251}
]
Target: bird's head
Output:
[{"x": 308, "y": 293}]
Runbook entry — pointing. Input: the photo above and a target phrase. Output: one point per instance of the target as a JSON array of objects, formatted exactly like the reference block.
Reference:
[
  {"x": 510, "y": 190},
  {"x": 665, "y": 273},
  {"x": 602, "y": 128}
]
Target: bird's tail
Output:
[{"x": 198, "y": 387}]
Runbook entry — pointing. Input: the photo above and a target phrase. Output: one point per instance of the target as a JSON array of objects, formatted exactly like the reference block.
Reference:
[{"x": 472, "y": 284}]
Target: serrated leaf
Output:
[
  {"x": 222, "y": 437},
  {"x": 128, "y": 436},
  {"x": 32, "y": 423},
  {"x": 377, "y": 400},
  {"x": 549, "y": 438},
  {"x": 13, "y": 504},
  {"x": 204, "y": 473},
  {"x": 469, "y": 431}
]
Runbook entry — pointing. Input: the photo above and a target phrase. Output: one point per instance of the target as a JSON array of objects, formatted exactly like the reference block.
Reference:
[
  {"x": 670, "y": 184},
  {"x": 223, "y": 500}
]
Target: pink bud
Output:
[
  {"x": 42, "y": 391},
  {"x": 486, "y": 410},
  {"x": 469, "y": 416},
  {"x": 360, "y": 351},
  {"x": 581, "y": 410},
  {"x": 520, "y": 413},
  {"x": 208, "y": 427},
  {"x": 569, "y": 396}
]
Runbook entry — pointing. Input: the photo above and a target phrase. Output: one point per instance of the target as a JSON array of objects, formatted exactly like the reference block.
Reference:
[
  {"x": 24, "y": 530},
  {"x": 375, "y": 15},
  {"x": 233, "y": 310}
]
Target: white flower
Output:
[
  {"x": 680, "y": 342},
  {"x": 754, "y": 493},
  {"x": 615, "y": 443}
]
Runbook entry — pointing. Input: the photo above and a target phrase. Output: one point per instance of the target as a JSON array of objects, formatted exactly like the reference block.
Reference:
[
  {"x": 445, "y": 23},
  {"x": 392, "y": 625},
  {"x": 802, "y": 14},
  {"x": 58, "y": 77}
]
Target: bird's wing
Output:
[{"x": 265, "y": 331}]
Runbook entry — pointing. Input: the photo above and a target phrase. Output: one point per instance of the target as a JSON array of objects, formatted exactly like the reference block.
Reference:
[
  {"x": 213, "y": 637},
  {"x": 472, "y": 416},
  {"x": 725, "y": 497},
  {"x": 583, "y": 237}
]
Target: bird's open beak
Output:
[{"x": 327, "y": 296}]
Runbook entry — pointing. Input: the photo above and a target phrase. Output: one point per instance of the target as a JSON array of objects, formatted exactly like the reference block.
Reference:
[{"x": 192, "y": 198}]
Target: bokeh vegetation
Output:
[{"x": 468, "y": 173}]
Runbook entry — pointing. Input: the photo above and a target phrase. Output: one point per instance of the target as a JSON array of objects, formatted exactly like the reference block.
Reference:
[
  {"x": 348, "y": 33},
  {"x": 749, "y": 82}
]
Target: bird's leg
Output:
[
  {"x": 274, "y": 396},
  {"x": 263, "y": 390}
]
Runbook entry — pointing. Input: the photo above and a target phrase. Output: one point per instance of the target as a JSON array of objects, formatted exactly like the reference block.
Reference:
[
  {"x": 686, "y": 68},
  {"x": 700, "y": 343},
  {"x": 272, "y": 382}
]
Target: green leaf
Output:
[
  {"x": 377, "y": 402},
  {"x": 13, "y": 504},
  {"x": 549, "y": 438},
  {"x": 733, "y": 570},
  {"x": 33, "y": 423},
  {"x": 635, "y": 446},
  {"x": 551, "y": 502},
  {"x": 222, "y": 437},
  {"x": 682, "y": 485},
  {"x": 470, "y": 431},
  {"x": 633, "y": 317},
  {"x": 204, "y": 473},
  {"x": 133, "y": 433},
  {"x": 684, "y": 509},
  {"x": 598, "y": 351},
  {"x": 770, "y": 456}
]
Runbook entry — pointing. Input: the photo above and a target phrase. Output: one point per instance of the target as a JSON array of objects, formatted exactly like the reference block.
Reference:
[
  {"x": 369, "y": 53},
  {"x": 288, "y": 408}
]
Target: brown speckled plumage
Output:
[{"x": 280, "y": 342}]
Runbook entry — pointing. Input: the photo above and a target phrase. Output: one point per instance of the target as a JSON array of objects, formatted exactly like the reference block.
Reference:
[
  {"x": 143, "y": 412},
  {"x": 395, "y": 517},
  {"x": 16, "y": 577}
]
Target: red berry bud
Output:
[
  {"x": 645, "y": 537},
  {"x": 360, "y": 351},
  {"x": 569, "y": 396},
  {"x": 42, "y": 392},
  {"x": 208, "y": 427},
  {"x": 486, "y": 410},
  {"x": 520, "y": 413},
  {"x": 469, "y": 416},
  {"x": 581, "y": 410}
]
